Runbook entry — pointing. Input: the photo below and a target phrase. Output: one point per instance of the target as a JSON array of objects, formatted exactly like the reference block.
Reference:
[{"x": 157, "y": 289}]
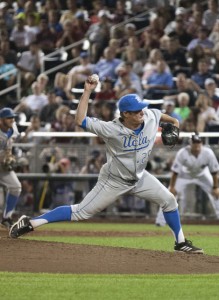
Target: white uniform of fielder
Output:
[{"x": 191, "y": 171}]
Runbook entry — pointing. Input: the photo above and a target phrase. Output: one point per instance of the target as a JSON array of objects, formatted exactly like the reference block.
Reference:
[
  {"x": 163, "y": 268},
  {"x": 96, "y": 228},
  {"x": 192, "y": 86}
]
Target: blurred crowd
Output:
[{"x": 158, "y": 49}]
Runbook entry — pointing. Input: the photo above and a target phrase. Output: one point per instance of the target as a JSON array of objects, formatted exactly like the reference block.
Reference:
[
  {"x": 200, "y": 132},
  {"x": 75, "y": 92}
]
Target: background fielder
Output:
[
  {"x": 194, "y": 165},
  {"x": 129, "y": 141},
  {"x": 8, "y": 178}
]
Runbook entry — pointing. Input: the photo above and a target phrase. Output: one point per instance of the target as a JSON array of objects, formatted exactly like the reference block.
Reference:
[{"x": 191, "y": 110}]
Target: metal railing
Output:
[
  {"x": 60, "y": 51},
  {"x": 15, "y": 86}
]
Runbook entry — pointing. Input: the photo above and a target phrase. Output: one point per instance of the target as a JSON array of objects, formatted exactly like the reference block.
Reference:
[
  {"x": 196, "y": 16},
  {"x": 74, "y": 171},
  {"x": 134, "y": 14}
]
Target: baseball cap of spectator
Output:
[
  {"x": 104, "y": 12},
  {"x": 84, "y": 54},
  {"x": 169, "y": 102},
  {"x": 3, "y": 5},
  {"x": 196, "y": 138},
  {"x": 130, "y": 26},
  {"x": 180, "y": 11},
  {"x": 209, "y": 81},
  {"x": 79, "y": 15},
  {"x": 7, "y": 113},
  {"x": 131, "y": 102}
]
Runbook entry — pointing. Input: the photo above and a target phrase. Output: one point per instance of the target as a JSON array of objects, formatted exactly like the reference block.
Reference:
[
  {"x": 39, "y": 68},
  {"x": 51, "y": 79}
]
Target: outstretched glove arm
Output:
[{"x": 169, "y": 134}]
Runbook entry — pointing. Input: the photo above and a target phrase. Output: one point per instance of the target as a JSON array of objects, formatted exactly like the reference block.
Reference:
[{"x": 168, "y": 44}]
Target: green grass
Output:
[
  {"x": 106, "y": 287},
  {"x": 16, "y": 286}
]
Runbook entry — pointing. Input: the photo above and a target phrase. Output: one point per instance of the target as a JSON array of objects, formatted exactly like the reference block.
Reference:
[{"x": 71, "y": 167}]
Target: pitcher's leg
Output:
[
  {"x": 160, "y": 220},
  {"x": 151, "y": 189},
  {"x": 102, "y": 195}
]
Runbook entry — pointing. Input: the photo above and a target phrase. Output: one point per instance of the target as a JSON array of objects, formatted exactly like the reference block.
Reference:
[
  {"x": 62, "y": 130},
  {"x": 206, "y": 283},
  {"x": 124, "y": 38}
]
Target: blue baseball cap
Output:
[
  {"x": 7, "y": 113},
  {"x": 84, "y": 54},
  {"x": 131, "y": 102}
]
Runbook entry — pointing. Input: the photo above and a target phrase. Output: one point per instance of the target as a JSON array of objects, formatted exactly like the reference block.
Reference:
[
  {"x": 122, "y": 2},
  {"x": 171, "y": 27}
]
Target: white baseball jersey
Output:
[
  {"x": 188, "y": 166},
  {"x": 124, "y": 172},
  {"x": 127, "y": 152}
]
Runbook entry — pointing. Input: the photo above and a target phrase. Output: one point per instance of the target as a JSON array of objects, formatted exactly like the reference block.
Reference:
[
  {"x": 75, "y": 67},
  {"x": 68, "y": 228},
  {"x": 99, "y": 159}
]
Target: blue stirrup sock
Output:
[
  {"x": 61, "y": 213},
  {"x": 10, "y": 204},
  {"x": 173, "y": 220}
]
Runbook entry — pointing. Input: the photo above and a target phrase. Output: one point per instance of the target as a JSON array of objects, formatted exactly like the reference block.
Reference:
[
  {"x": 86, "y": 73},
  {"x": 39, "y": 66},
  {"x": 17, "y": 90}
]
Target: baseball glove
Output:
[
  {"x": 9, "y": 163},
  {"x": 169, "y": 134}
]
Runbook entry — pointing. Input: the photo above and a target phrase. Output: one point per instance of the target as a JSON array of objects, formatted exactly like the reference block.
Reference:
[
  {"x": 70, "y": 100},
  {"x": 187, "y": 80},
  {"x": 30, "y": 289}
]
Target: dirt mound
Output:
[{"x": 22, "y": 255}]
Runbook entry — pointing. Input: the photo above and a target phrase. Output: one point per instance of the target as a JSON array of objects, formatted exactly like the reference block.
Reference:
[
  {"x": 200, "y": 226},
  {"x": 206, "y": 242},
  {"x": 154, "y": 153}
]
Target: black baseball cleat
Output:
[
  {"x": 21, "y": 227},
  {"x": 7, "y": 222},
  {"x": 187, "y": 247}
]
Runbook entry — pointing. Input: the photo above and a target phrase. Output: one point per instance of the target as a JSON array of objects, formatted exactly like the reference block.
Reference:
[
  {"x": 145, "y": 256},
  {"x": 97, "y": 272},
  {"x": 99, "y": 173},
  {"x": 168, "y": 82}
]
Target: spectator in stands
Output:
[
  {"x": 207, "y": 115},
  {"x": 180, "y": 14},
  {"x": 79, "y": 73},
  {"x": 62, "y": 191},
  {"x": 93, "y": 165},
  {"x": 9, "y": 54},
  {"x": 214, "y": 35},
  {"x": 210, "y": 15},
  {"x": 183, "y": 106},
  {"x": 7, "y": 80},
  {"x": 129, "y": 31},
  {"x": 215, "y": 69},
  {"x": 67, "y": 125},
  {"x": 98, "y": 35},
  {"x": 180, "y": 31},
  {"x": 29, "y": 7},
  {"x": 194, "y": 56},
  {"x": 201, "y": 40},
  {"x": 159, "y": 80},
  {"x": 115, "y": 45},
  {"x": 60, "y": 88},
  {"x": 46, "y": 38},
  {"x": 59, "y": 113},
  {"x": 169, "y": 109},
  {"x": 54, "y": 24},
  {"x": 124, "y": 85},
  {"x": 80, "y": 25},
  {"x": 150, "y": 65},
  {"x": 32, "y": 25},
  {"x": 194, "y": 24},
  {"x": 47, "y": 113},
  {"x": 106, "y": 66},
  {"x": 68, "y": 37},
  {"x": 35, "y": 126},
  {"x": 120, "y": 14},
  {"x": 43, "y": 80},
  {"x": 6, "y": 16},
  {"x": 29, "y": 64},
  {"x": 33, "y": 103},
  {"x": 128, "y": 82},
  {"x": 21, "y": 37},
  {"x": 69, "y": 14},
  {"x": 134, "y": 54},
  {"x": 191, "y": 123},
  {"x": 185, "y": 85},
  {"x": 48, "y": 5},
  {"x": 210, "y": 88},
  {"x": 106, "y": 92},
  {"x": 175, "y": 56},
  {"x": 202, "y": 74}
]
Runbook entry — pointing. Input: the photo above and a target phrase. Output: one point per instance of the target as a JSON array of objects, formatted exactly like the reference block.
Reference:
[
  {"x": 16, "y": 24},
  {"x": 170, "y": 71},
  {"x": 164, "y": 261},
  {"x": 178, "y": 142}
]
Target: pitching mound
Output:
[{"x": 22, "y": 255}]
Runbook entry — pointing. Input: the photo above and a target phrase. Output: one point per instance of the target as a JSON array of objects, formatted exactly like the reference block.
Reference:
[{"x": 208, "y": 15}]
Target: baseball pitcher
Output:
[
  {"x": 194, "y": 164},
  {"x": 129, "y": 141},
  {"x": 8, "y": 178}
]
